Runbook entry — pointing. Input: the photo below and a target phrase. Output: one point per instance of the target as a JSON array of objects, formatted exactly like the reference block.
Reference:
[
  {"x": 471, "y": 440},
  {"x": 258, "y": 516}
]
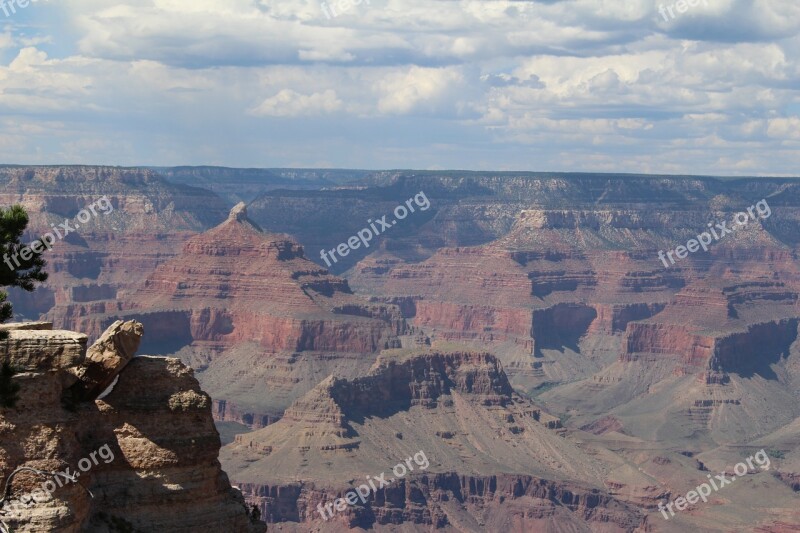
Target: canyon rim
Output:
[{"x": 399, "y": 266}]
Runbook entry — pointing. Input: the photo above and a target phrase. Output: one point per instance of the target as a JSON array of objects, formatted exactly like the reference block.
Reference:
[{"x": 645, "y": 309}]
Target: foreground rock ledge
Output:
[{"x": 164, "y": 475}]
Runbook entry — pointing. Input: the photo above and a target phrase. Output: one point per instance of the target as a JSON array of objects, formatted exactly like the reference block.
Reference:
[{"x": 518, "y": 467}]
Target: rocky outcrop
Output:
[
  {"x": 227, "y": 411},
  {"x": 32, "y": 350},
  {"x": 236, "y": 289},
  {"x": 497, "y": 460},
  {"x": 402, "y": 383},
  {"x": 717, "y": 329},
  {"x": 212, "y": 295},
  {"x": 157, "y": 468},
  {"x": 107, "y": 357},
  {"x": 171, "y": 479}
]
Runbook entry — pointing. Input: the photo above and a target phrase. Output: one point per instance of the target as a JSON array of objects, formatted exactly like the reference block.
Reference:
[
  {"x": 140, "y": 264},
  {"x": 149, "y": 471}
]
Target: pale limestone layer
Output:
[
  {"x": 43, "y": 350},
  {"x": 27, "y": 325}
]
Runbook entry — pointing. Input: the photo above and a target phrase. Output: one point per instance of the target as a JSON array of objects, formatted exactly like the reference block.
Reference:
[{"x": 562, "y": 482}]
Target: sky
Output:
[{"x": 546, "y": 85}]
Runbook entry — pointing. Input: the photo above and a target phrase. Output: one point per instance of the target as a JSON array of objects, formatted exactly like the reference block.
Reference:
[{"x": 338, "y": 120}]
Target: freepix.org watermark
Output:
[
  {"x": 681, "y": 6},
  {"x": 704, "y": 239},
  {"x": 59, "y": 479},
  {"x": 703, "y": 491},
  {"x": 365, "y": 235},
  {"x": 48, "y": 239},
  {"x": 362, "y": 491},
  {"x": 9, "y": 7},
  {"x": 342, "y": 5}
]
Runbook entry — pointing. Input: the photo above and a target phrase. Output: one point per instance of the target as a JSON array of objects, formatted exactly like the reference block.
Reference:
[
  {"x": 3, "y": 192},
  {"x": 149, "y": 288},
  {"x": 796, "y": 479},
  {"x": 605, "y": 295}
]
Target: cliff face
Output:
[
  {"x": 705, "y": 363},
  {"x": 506, "y": 502},
  {"x": 158, "y": 467},
  {"x": 571, "y": 290},
  {"x": 546, "y": 271},
  {"x": 244, "y": 184},
  {"x": 557, "y": 276},
  {"x": 238, "y": 290},
  {"x": 145, "y": 223},
  {"x": 416, "y": 381},
  {"x": 167, "y": 438},
  {"x": 476, "y": 208},
  {"x": 497, "y": 460},
  {"x": 720, "y": 327},
  {"x": 148, "y": 202}
]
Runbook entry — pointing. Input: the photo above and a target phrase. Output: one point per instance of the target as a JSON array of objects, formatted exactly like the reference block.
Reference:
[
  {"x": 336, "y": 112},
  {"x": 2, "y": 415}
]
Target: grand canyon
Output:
[
  {"x": 522, "y": 332},
  {"x": 400, "y": 266}
]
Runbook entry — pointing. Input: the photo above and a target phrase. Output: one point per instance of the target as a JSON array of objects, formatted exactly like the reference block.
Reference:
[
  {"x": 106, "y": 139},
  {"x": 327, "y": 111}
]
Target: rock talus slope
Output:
[{"x": 496, "y": 461}]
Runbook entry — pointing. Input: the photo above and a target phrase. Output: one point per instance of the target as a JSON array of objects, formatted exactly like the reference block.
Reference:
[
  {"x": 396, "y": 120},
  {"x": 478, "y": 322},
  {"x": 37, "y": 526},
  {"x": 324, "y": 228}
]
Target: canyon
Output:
[
  {"x": 457, "y": 408},
  {"x": 522, "y": 331}
]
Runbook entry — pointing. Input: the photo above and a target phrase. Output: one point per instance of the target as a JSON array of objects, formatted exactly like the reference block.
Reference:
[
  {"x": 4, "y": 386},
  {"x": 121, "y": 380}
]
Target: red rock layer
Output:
[
  {"x": 718, "y": 328},
  {"x": 236, "y": 284},
  {"x": 114, "y": 251},
  {"x": 514, "y": 503}
]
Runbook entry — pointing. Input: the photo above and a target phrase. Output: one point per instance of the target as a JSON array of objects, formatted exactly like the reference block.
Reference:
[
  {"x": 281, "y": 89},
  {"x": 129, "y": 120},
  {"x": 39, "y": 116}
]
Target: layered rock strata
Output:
[
  {"x": 496, "y": 459},
  {"x": 261, "y": 323},
  {"x": 159, "y": 468},
  {"x": 144, "y": 223}
]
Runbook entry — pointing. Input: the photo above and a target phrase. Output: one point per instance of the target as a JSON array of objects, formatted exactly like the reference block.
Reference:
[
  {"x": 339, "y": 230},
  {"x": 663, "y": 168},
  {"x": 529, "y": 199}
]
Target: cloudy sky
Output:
[{"x": 573, "y": 85}]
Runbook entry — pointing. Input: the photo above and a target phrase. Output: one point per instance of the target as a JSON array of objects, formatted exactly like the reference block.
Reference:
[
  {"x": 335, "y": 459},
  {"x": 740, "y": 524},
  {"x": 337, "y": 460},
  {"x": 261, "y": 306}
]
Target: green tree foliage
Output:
[{"x": 13, "y": 222}]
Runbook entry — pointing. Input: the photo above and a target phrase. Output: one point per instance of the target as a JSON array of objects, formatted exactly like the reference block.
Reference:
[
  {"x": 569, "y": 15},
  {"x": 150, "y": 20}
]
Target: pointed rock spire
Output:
[{"x": 239, "y": 214}]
